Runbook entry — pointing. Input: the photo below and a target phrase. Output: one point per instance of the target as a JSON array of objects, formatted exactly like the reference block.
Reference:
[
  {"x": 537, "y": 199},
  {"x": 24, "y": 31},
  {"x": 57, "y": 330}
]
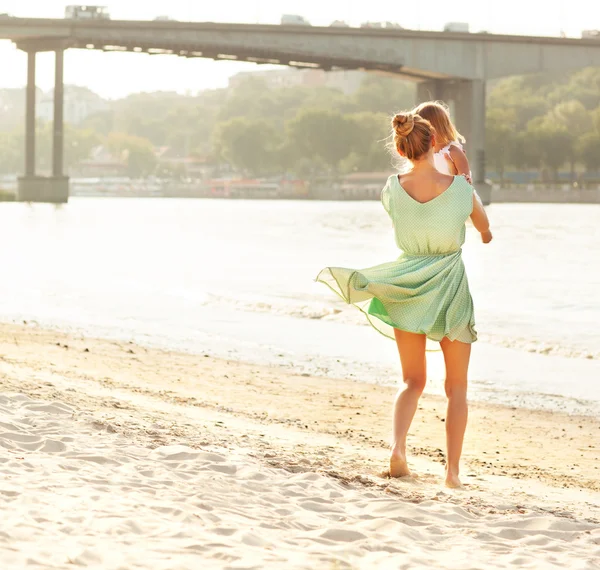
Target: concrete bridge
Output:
[{"x": 449, "y": 66}]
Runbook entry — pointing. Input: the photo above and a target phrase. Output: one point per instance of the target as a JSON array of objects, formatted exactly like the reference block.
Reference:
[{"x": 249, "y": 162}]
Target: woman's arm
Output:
[{"x": 480, "y": 219}]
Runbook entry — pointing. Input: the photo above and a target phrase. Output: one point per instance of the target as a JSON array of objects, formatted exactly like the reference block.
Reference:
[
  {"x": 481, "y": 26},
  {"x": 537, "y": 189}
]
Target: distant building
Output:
[
  {"x": 100, "y": 163},
  {"x": 347, "y": 81},
  {"x": 197, "y": 167},
  {"x": 80, "y": 103}
]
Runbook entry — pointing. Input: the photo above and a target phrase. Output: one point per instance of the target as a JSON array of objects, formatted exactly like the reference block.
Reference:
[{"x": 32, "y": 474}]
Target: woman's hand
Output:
[
  {"x": 480, "y": 219},
  {"x": 486, "y": 237}
]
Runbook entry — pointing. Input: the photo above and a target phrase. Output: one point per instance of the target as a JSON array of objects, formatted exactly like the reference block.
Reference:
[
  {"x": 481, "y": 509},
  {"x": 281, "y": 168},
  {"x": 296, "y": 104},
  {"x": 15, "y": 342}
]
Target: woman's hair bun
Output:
[{"x": 403, "y": 124}]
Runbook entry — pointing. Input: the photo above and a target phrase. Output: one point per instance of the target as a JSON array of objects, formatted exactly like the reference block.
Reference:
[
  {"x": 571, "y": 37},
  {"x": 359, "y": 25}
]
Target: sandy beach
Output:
[{"x": 119, "y": 456}]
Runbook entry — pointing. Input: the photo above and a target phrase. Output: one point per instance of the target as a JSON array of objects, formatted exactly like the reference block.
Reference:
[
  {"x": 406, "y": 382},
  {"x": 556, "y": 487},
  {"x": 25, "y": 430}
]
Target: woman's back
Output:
[
  {"x": 428, "y": 212},
  {"x": 425, "y": 186}
]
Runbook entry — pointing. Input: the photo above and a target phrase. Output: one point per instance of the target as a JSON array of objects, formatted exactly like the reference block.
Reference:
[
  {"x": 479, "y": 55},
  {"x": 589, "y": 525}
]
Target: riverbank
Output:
[
  {"x": 564, "y": 194},
  {"x": 350, "y": 188},
  {"x": 269, "y": 467}
]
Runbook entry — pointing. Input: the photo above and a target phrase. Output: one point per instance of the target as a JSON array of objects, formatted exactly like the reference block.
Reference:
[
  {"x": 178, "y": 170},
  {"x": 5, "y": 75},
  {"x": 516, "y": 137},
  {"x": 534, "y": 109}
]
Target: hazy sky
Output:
[{"x": 115, "y": 75}]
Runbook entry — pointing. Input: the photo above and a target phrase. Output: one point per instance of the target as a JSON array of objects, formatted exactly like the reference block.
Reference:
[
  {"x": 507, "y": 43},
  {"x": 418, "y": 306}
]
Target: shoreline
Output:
[
  {"x": 503, "y": 196},
  {"x": 512, "y": 195},
  {"x": 495, "y": 370}
]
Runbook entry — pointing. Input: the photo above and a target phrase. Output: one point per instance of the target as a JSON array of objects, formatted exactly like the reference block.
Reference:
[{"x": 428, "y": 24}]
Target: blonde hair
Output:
[
  {"x": 412, "y": 135},
  {"x": 437, "y": 113}
]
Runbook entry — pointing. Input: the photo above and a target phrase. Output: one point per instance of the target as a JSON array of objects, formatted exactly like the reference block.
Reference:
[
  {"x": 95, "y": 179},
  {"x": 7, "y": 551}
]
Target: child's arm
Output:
[
  {"x": 480, "y": 219},
  {"x": 460, "y": 161}
]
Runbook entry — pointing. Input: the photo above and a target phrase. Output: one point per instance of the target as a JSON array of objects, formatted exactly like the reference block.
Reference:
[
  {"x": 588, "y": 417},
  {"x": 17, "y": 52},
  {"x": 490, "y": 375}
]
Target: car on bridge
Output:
[
  {"x": 87, "y": 13},
  {"x": 462, "y": 27},
  {"x": 339, "y": 24},
  {"x": 382, "y": 25},
  {"x": 590, "y": 35},
  {"x": 294, "y": 20}
]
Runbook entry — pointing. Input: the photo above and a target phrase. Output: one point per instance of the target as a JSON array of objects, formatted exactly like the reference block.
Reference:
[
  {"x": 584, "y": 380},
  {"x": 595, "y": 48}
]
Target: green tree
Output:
[
  {"x": 523, "y": 152},
  {"x": 322, "y": 134},
  {"x": 500, "y": 137},
  {"x": 78, "y": 145},
  {"x": 572, "y": 117},
  {"x": 550, "y": 141},
  {"x": 12, "y": 108},
  {"x": 102, "y": 122},
  {"x": 151, "y": 115},
  {"x": 539, "y": 121},
  {"x": 138, "y": 153},
  {"x": 251, "y": 99},
  {"x": 11, "y": 152},
  {"x": 369, "y": 152},
  {"x": 595, "y": 119},
  {"x": 248, "y": 144},
  {"x": 385, "y": 94},
  {"x": 588, "y": 150},
  {"x": 582, "y": 86},
  {"x": 517, "y": 94}
]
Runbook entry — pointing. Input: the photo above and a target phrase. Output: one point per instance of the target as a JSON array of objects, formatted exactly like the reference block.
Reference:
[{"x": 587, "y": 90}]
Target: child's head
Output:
[
  {"x": 413, "y": 135},
  {"x": 437, "y": 114}
]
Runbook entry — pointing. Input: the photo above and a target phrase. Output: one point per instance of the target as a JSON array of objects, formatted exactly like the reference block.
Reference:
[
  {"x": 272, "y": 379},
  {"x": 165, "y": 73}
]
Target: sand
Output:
[{"x": 113, "y": 455}]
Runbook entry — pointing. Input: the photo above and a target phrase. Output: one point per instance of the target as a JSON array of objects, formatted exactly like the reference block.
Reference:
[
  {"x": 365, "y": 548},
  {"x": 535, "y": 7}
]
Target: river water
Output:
[{"x": 235, "y": 279}]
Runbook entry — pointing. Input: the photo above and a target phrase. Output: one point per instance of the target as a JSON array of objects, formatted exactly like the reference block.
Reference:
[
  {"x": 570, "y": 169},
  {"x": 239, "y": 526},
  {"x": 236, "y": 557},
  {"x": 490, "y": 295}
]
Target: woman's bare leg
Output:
[
  {"x": 414, "y": 372},
  {"x": 456, "y": 357}
]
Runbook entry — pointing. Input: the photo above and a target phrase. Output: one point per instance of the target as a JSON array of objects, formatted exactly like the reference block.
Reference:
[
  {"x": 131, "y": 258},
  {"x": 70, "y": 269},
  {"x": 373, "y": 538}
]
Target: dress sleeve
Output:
[
  {"x": 469, "y": 193},
  {"x": 386, "y": 197}
]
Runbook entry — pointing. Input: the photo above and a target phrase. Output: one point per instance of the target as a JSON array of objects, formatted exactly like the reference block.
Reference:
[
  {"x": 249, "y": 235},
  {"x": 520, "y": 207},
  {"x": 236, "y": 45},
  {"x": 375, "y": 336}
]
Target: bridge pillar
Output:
[
  {"x": 432, "y": 90},
  {"x": 58, "y": 125},
  {"x": 31, "y": 187},
  {"x": 466, "y": 100},
  {"x": 30, "y": 116}
]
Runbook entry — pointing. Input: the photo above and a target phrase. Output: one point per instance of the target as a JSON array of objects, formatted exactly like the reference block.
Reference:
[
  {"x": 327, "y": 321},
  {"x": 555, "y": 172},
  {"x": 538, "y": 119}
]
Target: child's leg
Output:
[
  {"x": 456, "y": 357},
  {"x": 414, "y": 372}
]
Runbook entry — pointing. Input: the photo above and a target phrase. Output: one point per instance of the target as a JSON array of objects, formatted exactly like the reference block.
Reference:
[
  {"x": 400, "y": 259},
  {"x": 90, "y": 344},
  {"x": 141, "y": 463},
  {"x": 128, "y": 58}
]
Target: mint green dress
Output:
[{"x": 425, "y": 290}]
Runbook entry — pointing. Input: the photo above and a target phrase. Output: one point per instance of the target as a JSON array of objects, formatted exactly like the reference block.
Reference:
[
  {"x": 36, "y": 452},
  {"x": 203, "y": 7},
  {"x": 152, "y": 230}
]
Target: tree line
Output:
[
  {"x": 545, "y": 123},
  {"x": 541, "y": 123}
]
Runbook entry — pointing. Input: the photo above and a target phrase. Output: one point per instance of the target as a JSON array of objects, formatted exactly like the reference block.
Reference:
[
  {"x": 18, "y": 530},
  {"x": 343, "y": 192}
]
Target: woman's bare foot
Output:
[
  {"x": 398, "y": 465},
  {"x": 452, "y": 479}
]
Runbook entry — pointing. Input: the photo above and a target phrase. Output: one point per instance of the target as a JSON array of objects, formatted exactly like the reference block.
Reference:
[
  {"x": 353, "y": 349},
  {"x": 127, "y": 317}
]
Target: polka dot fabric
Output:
[{"x": 425, "y": 290}]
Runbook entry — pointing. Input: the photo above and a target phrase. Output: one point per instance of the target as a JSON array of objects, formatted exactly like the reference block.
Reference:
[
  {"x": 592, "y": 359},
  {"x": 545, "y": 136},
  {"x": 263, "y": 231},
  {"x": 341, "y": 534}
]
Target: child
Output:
[{"x": 449, "y": 156}]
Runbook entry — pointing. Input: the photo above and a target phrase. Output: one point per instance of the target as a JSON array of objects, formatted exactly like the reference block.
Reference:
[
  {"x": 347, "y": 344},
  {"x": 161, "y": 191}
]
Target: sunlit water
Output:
[{"x": 235, "y": 279}]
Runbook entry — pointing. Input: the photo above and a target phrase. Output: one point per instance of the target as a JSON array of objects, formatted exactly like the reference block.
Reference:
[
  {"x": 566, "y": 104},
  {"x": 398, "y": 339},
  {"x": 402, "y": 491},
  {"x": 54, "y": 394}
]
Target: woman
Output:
[{"x": 425, "y": 293}]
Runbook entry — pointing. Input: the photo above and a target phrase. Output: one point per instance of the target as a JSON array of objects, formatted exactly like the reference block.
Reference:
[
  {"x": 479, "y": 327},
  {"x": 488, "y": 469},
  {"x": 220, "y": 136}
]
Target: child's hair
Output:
[
  {"x": 412, "y": 135},
  {"x": 436, "y": 112}
]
